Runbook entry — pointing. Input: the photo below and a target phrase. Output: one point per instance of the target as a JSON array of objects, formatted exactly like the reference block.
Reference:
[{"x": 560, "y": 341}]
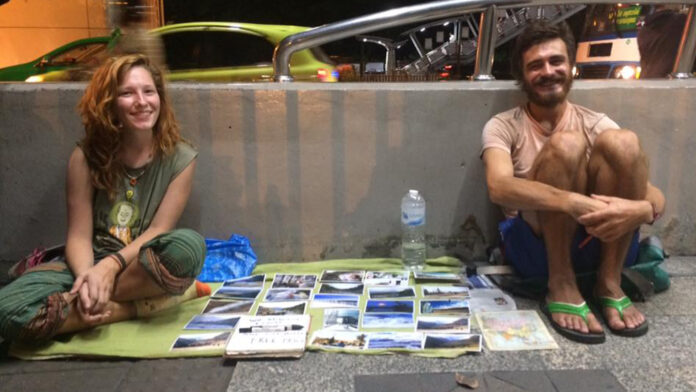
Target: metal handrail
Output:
[
  {"x": 442, "y": 9},
  {"x": 365, "y": 24}
]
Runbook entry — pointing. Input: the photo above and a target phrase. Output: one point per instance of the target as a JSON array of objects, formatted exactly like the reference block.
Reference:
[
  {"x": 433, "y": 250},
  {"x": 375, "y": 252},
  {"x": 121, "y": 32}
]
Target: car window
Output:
[
  {"x": 81, "y": 54},
  {"x": 213, "y": 49}
]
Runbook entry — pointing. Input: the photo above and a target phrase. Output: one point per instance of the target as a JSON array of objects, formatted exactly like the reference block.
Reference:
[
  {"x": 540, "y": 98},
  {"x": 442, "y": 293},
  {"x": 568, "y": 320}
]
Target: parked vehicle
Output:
[
  {"x": 198, "y": 51},
  {"x": 608, "y": 46}
]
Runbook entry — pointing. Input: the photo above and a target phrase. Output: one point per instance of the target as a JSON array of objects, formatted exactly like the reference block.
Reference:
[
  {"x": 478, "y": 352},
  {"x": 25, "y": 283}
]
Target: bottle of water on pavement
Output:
[{"x": 413, "y": 230}]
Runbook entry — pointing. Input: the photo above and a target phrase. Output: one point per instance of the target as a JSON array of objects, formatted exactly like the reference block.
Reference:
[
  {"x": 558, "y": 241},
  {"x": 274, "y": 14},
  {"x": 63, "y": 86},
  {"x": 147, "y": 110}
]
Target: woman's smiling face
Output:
[{"x": 138, "y": 103}]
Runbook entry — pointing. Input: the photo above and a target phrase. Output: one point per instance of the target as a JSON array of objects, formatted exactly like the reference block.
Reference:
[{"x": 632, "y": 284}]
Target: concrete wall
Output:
[{"x": 310, "y": 171}]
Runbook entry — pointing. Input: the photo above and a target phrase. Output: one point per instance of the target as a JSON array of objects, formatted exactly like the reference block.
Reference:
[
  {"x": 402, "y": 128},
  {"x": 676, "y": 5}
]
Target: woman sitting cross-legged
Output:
[{"x": 128, "y": 182}]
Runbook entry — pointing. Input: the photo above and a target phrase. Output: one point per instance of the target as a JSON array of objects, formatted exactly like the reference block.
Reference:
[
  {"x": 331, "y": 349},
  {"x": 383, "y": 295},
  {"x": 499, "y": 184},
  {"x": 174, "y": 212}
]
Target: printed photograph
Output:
[
  {"x": 445, "y": 306},
  {"x": 212, "y": 321},
  {"x": 202, "y": 341},
  {"x": 237, "y": 292},
  {"x": 335, "y": 301},
  {"x": 216, "y": 306},
  {"x": 446, "y": 292},
  {"x": 341, "y": 319},
  {"x": 339, "y": 339},
  {"x": 281, "y": 308},
  {"x": 249, "y": 281},
  {"x": 459, "y": 341},
  {"x": 294, "y": 281},
  {"x": 279, "y": 295},
  {"x": 390, "y": 292},
  {"x": 341, "y": 288},
  {"x": 386, "y": 278},
  {"x": 448, "y": 276},
  {"x": 342, "y": 276},
  {"x": 388, "y": 320},
  {"x": 456, "y": 324},
  {"x": 388, "y": 340},
  {"x": 384, "y": 306}
]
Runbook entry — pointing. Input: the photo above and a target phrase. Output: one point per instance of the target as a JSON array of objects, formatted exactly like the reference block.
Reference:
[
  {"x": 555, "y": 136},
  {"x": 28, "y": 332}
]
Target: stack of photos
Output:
[
  {"x": 339, "y": 289},
  {"x": 288, "y": 295},
  {"x": 234, "y": 298}
]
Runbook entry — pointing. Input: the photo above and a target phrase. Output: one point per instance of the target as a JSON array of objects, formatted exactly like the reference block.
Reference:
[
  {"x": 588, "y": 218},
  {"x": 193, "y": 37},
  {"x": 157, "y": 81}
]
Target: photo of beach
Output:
[
  {"x": 281, "y": 308},
  {"x": 459, "y": 341},
  {"x": 446, "y": 292},
  {"x": 212, "y": 321},
  {"x": 249, "y": 281},
  {"x": 334, "y": 301},
  {"x": 249, "y": 293},
  {"x": 388, "y": 340},
  {"x": 457, "y": 324},
  {"x": 390, "y": 292},
  {"x": 388, "y": 320},
  {"x": 202, "y": 341},
  {"x": 228, "y": 306},
  {"x": 338, "y": 339},
  {"x": 445, "y": 306},
  {"x": 386, "y": 306}
]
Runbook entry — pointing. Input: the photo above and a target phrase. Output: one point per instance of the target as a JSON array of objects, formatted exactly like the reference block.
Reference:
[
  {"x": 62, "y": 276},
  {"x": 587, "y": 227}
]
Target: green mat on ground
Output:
[{"x": 152, "y": 337}]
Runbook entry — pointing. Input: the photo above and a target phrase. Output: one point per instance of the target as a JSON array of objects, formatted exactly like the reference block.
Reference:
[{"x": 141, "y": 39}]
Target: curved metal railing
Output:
[{"x": 442, "y": 9}]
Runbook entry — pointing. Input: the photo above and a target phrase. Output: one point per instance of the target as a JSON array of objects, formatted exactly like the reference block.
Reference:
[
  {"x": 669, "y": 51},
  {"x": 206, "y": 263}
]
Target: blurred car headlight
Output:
[
  {"x": 35, "y": 79},
  {"x": 626, "y": 72}
]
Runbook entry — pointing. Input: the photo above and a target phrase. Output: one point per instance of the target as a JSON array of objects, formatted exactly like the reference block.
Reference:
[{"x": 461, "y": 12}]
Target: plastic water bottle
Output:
[{"x": 413, "y": 230}]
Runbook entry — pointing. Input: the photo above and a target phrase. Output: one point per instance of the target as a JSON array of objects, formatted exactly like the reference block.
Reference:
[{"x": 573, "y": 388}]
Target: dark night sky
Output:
[{"x": 295, "y": 12}]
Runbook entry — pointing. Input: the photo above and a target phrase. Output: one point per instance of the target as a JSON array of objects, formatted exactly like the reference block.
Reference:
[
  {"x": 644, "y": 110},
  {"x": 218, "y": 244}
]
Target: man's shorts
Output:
[{"x": 526, "y": 251}]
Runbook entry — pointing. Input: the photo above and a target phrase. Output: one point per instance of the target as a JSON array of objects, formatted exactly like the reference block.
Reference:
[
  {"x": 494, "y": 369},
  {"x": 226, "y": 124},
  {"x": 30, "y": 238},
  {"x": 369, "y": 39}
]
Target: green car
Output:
[{"x": 197, "y": 51}]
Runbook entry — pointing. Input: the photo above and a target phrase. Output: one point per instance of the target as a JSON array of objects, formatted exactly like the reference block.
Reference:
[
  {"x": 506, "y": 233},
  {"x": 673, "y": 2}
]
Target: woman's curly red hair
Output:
[{"x": 103, "y": 133}]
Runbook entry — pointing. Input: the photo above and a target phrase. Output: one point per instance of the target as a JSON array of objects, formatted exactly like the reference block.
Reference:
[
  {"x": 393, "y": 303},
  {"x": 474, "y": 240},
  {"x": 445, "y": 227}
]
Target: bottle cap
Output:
[{"x": 413, "y": 192}]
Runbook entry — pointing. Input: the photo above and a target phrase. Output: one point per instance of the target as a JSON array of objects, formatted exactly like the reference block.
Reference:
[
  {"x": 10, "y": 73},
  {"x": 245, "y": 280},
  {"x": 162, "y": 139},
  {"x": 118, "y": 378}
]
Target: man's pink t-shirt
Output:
[{"x": 516, "y": 132}]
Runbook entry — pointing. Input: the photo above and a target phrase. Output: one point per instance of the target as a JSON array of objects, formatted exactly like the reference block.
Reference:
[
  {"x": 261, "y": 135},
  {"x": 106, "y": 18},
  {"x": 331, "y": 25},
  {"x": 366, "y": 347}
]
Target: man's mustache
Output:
[{"x": 544, "y": 80}]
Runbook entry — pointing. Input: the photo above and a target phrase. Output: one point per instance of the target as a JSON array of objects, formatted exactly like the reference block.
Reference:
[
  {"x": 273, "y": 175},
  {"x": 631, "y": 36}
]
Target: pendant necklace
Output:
[{"x": 133, "y": 181}]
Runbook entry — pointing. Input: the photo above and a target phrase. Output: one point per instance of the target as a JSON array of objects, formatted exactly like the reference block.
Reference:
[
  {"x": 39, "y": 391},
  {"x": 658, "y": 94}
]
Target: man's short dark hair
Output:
[{"x": 536, "y": 32}]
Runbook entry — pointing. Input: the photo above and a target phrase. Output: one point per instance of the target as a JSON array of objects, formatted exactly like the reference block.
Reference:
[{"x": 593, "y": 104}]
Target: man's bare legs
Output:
[
  {"x": 617, "y": 167},
  {"x": 133, "y": 283},
  {"x": 562, "y": 163}
]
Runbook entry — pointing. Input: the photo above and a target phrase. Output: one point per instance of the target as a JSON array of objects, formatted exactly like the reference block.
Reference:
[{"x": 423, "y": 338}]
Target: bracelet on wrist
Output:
[{"x": 121, "y": 260}]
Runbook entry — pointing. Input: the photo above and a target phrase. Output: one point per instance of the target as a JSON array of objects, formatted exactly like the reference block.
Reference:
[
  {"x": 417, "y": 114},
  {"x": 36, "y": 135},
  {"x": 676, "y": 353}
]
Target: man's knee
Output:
[
  {"x": 560, "y": 159},
  {"x": 174, "y": 259},
  {"x": 619, "y": 148}
]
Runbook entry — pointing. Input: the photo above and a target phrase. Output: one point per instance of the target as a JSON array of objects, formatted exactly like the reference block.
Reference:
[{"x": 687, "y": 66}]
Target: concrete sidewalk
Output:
[{"x": 663, "y": 360}]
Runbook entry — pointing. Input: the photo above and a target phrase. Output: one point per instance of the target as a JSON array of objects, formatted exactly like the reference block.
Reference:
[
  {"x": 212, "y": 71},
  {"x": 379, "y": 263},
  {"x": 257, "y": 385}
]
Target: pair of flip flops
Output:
[{"x": 582, "y": 310}]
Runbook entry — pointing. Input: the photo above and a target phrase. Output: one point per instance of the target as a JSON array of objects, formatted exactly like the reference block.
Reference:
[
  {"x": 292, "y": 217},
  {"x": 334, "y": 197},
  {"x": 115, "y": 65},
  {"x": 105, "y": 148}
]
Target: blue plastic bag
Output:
[{"x": 227, "y": 259}]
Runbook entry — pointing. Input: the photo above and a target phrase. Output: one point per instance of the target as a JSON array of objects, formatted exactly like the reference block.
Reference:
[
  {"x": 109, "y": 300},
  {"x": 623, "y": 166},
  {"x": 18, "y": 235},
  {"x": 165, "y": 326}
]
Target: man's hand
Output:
[
  {"x": 620, "y": 216},
  {"x": 95, "y": 287},
  {"x": 580, "y": 205}
]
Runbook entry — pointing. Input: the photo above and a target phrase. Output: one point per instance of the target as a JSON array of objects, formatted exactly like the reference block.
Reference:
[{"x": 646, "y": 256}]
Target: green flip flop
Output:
[
  {"x": 581, "y": 310},
  {"x": 621, "y": 304}
]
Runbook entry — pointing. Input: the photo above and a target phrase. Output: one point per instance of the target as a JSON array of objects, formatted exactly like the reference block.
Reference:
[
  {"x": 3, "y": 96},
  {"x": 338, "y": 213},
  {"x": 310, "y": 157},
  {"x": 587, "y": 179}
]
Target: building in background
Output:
[{"x": 30, "y": 28}]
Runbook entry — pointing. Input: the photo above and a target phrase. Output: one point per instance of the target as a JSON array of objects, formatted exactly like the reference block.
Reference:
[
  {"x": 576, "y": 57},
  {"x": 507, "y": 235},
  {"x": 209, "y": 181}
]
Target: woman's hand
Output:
[
  {"x": 619, "y": 217},
  {"x": 94, "y": 288}
]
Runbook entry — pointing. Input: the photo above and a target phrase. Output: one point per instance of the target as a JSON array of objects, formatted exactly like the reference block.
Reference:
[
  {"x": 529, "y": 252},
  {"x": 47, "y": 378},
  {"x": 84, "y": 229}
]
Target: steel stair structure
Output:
[{"x": 510, "y": 23}]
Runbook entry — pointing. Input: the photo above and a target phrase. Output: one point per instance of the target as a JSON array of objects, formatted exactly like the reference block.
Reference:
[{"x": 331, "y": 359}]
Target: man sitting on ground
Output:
[{"x": 564, "y": 175}]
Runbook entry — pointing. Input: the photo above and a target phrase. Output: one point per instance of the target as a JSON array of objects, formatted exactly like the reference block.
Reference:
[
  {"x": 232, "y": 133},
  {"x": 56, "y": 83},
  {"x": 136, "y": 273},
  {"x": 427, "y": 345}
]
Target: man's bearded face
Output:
[{"x": 547, "y": 73}]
